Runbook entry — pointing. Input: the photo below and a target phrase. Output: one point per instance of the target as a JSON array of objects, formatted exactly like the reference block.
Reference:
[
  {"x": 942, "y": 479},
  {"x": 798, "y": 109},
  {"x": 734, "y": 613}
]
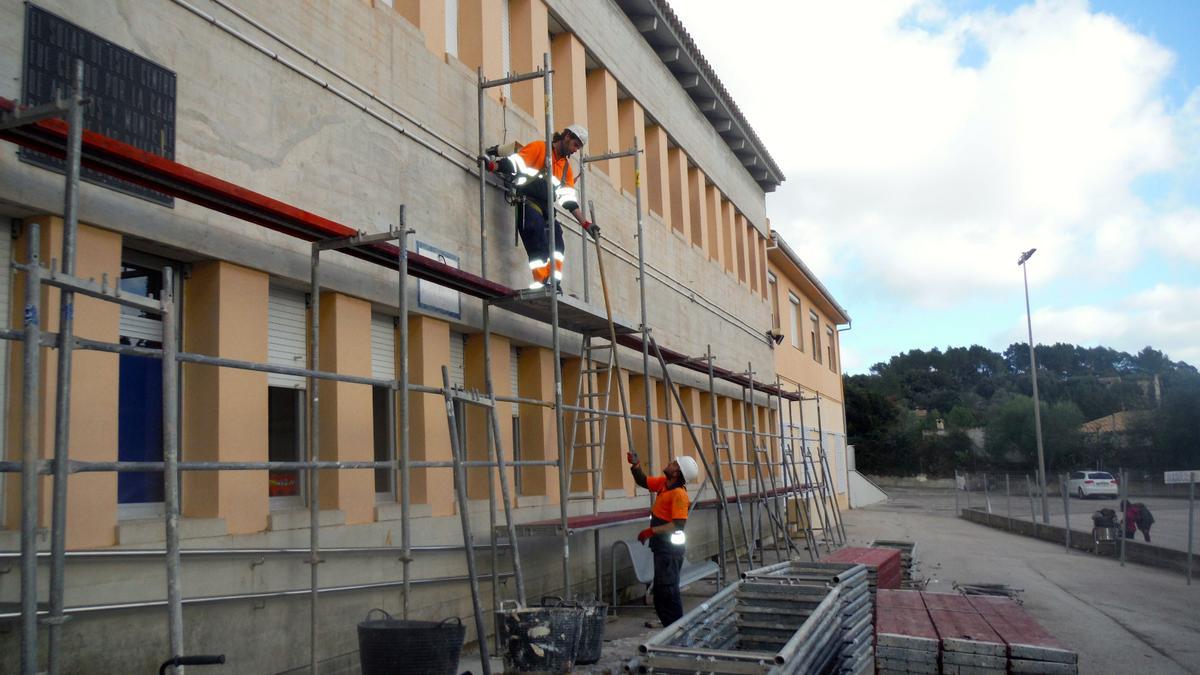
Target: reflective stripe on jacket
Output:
[{"x": 528, "y": 164}]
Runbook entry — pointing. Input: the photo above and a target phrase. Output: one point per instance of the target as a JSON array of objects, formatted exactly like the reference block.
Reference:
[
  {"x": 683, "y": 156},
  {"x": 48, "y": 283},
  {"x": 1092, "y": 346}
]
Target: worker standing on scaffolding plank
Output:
[
  {"x": 526, "y": 168},
  {"x": 668, "y": 517}
]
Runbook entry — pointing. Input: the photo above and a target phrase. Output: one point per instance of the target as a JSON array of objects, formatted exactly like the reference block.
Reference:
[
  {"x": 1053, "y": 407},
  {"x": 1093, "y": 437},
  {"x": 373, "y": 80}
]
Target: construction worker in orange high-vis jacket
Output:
[
  {"x": 668, "y": 518},
  {"x": 526, "y": 168}
]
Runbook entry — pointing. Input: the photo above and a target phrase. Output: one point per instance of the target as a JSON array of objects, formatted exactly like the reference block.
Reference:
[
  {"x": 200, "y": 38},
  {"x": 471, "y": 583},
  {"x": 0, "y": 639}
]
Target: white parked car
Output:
[{"x": 1084, "y": 484}]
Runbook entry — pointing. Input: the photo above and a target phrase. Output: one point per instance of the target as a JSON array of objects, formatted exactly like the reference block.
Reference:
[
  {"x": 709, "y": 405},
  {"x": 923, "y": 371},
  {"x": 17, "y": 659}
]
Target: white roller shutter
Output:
[
  {"x": 383, "y": 347},
  {"x": 287, "y": 338},
  {"x": 140, "y": 328},
  {"x": 514, "y": 356},
  {"x": 506, "y": 44},
  {"x": 458, "y": 359}
]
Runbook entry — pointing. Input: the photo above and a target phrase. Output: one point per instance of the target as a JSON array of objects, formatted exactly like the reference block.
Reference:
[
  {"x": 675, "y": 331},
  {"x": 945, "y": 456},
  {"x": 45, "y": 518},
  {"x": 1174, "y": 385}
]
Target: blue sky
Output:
[{"x": 928, "y": 142}]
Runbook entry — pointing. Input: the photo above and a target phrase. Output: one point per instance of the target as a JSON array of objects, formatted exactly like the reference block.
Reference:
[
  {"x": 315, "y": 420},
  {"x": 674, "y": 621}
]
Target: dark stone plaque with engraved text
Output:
[{"x": 132, "y": 99}]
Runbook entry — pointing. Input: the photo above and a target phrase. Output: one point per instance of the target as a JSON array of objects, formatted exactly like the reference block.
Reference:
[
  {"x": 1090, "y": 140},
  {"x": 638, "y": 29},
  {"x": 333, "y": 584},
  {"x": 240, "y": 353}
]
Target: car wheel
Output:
[{"x": 1081, "y": 495}]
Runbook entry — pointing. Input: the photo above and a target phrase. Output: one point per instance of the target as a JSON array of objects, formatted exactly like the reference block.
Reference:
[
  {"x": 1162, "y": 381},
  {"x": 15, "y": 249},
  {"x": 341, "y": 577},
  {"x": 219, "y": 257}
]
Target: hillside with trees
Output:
[{"x": 972, "y": 408}]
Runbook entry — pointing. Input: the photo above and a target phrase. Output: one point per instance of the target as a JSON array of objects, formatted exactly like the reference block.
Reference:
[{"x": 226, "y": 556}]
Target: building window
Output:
[
  {"x": 140, "y": 390},
  {"x": 287, "y": 345},
  {"x": 773, "y": 284},
  {"x": 285, "y": 443},
  {"x": 383, "y": 366},
  {"x": 384, "y": 478},
  {"x": 829, "y": 360},
  {"x": 814, "y": 335},
  {"x": 797, "y": 341}
]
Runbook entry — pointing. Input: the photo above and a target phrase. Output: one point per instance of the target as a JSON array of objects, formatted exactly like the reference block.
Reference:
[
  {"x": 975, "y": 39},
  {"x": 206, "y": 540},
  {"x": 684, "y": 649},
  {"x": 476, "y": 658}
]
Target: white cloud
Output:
[
  {"x": 1163, "y": 317},
  {"x": 932, "y": 174}
]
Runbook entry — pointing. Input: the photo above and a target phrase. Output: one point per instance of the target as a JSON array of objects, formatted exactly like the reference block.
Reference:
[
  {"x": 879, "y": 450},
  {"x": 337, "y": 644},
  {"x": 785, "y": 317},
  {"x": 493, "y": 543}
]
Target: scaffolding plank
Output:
[
  {"x": 573, "y": 313},
  {"x": 584, "y": 523}
]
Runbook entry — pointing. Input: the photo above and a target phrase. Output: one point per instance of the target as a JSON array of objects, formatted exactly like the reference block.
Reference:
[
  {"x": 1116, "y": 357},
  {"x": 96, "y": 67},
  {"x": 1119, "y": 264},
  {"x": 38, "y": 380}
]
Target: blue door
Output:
[
  {"x": 139, "y": 428},
  {"x": 139, "y": 402}
]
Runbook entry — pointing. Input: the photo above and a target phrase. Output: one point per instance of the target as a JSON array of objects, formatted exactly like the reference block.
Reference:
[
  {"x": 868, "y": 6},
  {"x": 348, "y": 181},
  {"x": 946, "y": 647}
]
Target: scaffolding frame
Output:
[{"x": 115, "y": 158}]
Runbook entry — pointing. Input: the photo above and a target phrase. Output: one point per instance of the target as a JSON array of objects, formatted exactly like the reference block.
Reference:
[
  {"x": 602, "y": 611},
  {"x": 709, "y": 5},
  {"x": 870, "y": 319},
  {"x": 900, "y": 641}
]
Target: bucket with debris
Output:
[
  {"x": 591, "y": 639},
  {"x": 539, "y": 639}
]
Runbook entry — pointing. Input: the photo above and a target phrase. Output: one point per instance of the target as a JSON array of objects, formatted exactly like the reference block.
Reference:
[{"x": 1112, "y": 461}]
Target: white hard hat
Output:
[
  {"x": 579, "y": 131},
  {"x": 688, "y": 467}
]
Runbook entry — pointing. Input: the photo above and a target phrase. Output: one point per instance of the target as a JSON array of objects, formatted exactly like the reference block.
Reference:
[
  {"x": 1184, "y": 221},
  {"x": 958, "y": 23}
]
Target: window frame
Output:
[
  {"x": 796, "y": 310},
  {"x": 815, "y": 335}
]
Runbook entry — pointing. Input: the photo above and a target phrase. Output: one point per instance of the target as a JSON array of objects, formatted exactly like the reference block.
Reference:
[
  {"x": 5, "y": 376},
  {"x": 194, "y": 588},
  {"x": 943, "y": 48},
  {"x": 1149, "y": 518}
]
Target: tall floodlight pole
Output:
[{"x": 1037, "y": 408}]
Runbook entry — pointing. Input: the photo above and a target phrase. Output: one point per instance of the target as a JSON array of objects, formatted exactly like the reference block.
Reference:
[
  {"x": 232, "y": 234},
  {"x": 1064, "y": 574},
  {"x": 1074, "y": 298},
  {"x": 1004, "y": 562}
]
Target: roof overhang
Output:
[
  {"x": 787, "y": 261},
  {"x": 664, "y": 32}
]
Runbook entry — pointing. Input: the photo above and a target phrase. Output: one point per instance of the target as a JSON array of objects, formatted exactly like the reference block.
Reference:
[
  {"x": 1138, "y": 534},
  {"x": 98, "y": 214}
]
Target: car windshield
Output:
[{"x": 1100, "y": 475}]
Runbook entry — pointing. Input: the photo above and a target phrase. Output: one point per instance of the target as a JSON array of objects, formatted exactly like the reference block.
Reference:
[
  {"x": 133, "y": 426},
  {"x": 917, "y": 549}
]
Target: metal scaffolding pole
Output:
[
  {"x": 464, "y": 517},
  {"x": 170, "y": 418},
  {"x": 495, "y": 444},
  {"x": 314, "y": 452},
  {"x": 837, "y": 513},
  {"x": 722, "y": 504},
  {"x": 749, "y": 408},
  {"x": 405, "y": 448},
  {"x": 62, "y": 407},
  {"x": 810, "y": 538},
  {"x": 30, "y": 449},
  {"x": 564, "y": 486}
]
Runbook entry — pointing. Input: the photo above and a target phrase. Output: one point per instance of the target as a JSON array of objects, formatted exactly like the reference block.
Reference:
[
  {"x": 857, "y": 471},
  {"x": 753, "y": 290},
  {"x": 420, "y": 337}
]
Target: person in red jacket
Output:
[
  {"x": 526, "y": 168},
  {"x": 1137, "y": 517},
  {"x": 668, "y": 518}
]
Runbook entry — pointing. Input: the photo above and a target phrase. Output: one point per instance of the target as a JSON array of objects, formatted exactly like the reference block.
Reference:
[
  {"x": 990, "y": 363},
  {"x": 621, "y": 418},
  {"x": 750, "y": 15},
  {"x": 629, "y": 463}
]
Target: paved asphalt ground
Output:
[{"x": 1131, "y": 620}]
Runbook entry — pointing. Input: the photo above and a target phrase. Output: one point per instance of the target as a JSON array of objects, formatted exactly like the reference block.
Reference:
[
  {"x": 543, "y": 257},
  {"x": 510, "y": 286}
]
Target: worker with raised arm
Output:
[
  {"x": 668, "y": 518},
  {"x": 526, "y": 168}
]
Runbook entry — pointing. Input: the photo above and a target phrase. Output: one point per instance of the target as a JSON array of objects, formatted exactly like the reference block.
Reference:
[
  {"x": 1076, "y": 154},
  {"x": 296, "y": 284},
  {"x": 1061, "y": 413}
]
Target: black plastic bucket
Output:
[
  {"x": 392, "y": 647},
  {"x": 541, "y": 639},
  {"x": 591, "y": 639}
]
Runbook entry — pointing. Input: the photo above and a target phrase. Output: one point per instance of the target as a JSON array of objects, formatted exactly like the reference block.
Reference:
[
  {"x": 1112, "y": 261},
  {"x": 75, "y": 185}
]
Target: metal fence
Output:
[{"x": 1082, "y": 504}]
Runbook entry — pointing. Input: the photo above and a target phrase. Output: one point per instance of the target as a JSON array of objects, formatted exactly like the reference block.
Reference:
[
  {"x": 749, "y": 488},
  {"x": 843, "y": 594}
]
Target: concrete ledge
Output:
[
  {"x": 296, "y": 519},
  {"x": 154, "y": 530},
  {"x": 524, "y": 501},
  {"x": 1135, "y": 551},
  {"x": 391, "y": 511}
]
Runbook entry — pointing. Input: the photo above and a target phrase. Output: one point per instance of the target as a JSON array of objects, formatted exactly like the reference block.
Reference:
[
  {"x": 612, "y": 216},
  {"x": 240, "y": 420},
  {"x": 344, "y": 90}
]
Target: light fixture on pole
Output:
[{"x": 1037, "y": 408}]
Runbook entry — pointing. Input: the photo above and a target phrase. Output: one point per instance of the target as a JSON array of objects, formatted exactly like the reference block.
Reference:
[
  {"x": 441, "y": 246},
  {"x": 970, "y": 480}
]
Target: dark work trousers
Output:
[
  {"x": 668, "y": 559},
  {"x": 531, "y": 225}
]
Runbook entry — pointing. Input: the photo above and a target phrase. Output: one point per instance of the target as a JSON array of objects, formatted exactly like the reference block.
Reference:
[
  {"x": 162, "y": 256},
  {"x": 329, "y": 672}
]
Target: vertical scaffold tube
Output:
[
  {"x": 641, "y": 279},
  {"x": 723, "y": 522},
  {"x": 66, "y": 345},
  {"x": 170, "y": 400},
  {"x": 30, "y": 449},
  {"x": 314, "y": 452},
  {"x": 487, "y": 354},
  {"x": 464, "y": 518},
  {"x": 405, "y": 471},
  {"x": 555, "y": 338}
]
